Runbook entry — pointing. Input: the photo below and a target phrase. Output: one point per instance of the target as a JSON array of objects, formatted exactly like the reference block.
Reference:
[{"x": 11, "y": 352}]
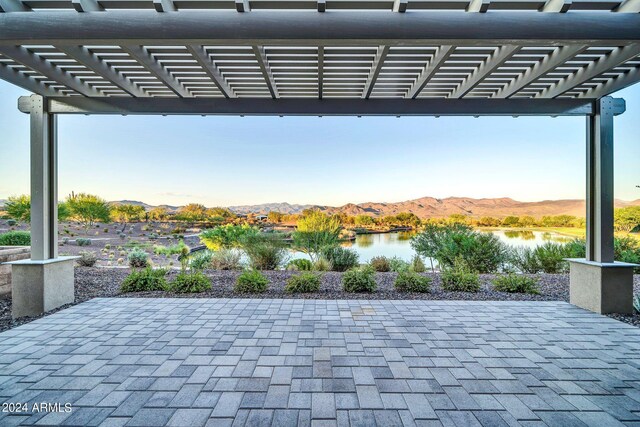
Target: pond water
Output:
[{"x": 399, "y": 244}]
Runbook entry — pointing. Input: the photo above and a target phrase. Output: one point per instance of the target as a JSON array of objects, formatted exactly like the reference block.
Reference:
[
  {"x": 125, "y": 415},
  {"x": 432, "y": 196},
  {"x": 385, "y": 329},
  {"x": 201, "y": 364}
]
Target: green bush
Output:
[
  {"x": 380, "y": 263},
  {"x": 266, "y": 251},
  {"x": 321, "y": 264},
  {"x": 190, "y": 282},
  {"x": 481, "y": 252},
  {"x": 226, "y": 259},
  {"x": 15, "y": 238},
  {"x": 551, "y": 257},
  {"x": 361, "y": 279},
  {"x": 460, "y": 278},
  {"x": 300, "y": 264},
  {"x": 11, "y": 222},
  {"x": 170, "y": 250},
  {"x": 81, "y": 241},
  {"x": 341, "y": 259},
  {"x": 144, "y": 280},
  {"x": 516, "y": 283},
  {"x": 417, "y": 265},
  {"x": 138, "y": 258},
  {"x": 87, "y": 259},
  {"x": 398, "y": 264},
  {"x": 201, "y": 260},
  {"x": 409, "y": 281},
  {"x": 251, "y": 282},
  {"x": 627, "y": 249},
  {"x": 303, "y": 283},
  {"x": 524, "y": 259}
]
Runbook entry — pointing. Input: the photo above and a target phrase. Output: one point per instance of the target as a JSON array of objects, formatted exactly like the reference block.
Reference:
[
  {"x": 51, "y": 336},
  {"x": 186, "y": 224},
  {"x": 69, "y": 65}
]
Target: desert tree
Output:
[
  {"x": 19, "y": 208},
  {"x": 627, "y": 219},
  {"x": 126, "y": 213},
  {"x": 315, "y": 232},
  {"x": 88, "y": 209}
]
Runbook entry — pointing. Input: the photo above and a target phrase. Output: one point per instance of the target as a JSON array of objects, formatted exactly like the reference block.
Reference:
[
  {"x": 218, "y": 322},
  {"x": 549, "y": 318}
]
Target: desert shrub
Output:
[
  {"x": 417, "y": 265},
  {"x": 123, "y": 236},
  {"x": 361, "y": 279},
  {"x": 408, "y": 281},
  {"x": 548, "y": 257},
  {"x": 300, "y": 264},
  {"x": 524, "y": 259},
  {"x": 380, "y": 263},
  {"x": 11, "y": 222},
  {"x": 15, "y": 238},
  {"x": 627, "y": 249},
  {"x": 143, "y": 280},
  {"x": 321, "y": 264},
  {"x": 201, "y": 260},
  {"x": 516, "y": 283},
  {"x": 153, "y": 236},
  {"x": 81, "y": 241},
  {"x": 190, "y": 282},
  {"x": 87, "y": 259},
  {"x": 138, "y": 258},
  {"x": 170, "y": 250},
  {"x": 459, "y": 278},
  {"x": 251, "y": 282},
  {"x": 398, "y": 264},
  {"x": 551, "y": 257},
  {"x": 266, "y": 251},
  {"x": 481, "y": 252},
  {"x": 226, "y": 259},
  {"x": 303, "y": 283},
  {"x": 341, "y": 259}
]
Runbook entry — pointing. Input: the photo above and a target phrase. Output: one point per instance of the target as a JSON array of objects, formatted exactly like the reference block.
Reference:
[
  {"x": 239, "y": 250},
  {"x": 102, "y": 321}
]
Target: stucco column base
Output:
[
  {"x": 602, "y": 287},
  {"x": 40, "y": 286}
]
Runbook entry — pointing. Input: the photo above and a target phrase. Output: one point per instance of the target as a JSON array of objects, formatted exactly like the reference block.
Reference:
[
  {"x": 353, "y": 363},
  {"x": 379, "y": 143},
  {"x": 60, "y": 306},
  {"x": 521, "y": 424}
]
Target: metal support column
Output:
[
  {"x": 600, "y": 182},
  {"x": 598, "y": 283},
  {"x": 44, "y": 181}
]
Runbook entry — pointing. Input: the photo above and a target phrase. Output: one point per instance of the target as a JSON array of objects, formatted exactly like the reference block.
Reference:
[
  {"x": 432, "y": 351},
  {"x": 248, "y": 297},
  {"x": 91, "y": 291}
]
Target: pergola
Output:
[{"x": 324, "y": 57}]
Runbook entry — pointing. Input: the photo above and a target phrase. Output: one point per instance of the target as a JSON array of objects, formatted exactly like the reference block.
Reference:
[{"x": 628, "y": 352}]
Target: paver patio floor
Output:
[{"x": 187, "y": 362}]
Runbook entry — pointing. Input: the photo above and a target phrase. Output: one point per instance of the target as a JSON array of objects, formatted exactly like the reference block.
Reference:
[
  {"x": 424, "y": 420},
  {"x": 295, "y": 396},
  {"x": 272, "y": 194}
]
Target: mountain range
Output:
[
  {"x": 428, "y": 207},
  {"x": 424, "y": 207}
]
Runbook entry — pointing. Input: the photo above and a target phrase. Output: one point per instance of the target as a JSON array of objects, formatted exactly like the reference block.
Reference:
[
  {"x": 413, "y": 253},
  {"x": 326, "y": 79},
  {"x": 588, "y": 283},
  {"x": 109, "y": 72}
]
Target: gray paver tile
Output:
[
  {"x": 314, "y": 362},
  {"x": 323, "y": 405},
  {"x": 189, "y": 417},
  {"x": 151, "y": 417}
]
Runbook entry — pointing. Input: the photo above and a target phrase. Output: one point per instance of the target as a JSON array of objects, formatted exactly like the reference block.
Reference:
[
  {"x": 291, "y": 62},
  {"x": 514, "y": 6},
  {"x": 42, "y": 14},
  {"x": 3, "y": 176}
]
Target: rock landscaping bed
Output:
[{"x": 105, "y": 282}]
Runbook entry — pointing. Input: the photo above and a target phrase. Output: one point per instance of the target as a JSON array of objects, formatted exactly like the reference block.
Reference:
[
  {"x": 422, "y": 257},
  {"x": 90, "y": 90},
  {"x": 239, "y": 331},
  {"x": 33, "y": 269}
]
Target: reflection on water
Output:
[
  {"x": 405, "y": 235},
  {"x": 520, "y": 234},
  {"x": 399, "y": 244}
]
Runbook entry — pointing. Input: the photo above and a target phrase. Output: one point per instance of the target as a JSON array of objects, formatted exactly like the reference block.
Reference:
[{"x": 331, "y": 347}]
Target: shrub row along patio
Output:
[{"x": 101, "y": 282}]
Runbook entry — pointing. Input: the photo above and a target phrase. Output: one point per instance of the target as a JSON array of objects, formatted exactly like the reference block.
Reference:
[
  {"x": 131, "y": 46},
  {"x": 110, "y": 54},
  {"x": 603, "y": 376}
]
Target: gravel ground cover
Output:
[{"x": 105, "y": 282}]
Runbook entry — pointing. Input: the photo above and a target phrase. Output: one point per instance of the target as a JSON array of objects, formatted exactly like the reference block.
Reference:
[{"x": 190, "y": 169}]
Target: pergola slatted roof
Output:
[
  {"x": 401, "y": 6},
  {"x": 356, "y": 50}
]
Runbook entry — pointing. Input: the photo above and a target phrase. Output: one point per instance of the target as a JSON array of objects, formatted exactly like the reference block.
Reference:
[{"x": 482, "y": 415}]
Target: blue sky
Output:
[{"x": 222, "y": 161}]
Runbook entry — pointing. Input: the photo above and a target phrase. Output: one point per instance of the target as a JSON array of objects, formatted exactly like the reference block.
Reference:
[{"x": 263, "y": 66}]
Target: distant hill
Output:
[
  {"x": 283, "y": 207},
  {"x": 146, "y": 206},
  {"x": 427, "y": 207}
]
